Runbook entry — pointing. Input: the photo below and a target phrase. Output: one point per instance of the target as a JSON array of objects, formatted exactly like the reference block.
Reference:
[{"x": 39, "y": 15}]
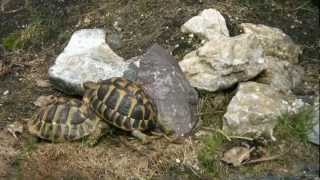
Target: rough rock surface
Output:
[
  {"x": 314, "y": 134},
  {"x": 220, "y": 64},
  {"x": 224, "y": 61},
  {"x": 209, "y": 24},
  {"x": 87, "y": 57},
  {"x": 281, "y": 55},
  {"x": 255, "y": 108},
  {"x": 274, "y": 42},
  {"x": 163, "y": 80},
  {"x": 281, "y": 74}
]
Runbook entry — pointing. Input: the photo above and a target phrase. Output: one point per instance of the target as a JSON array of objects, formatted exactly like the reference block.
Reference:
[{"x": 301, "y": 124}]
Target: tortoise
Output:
[
  {"x": 123, "y": 104},
  {"x": 70, "y": 121}
]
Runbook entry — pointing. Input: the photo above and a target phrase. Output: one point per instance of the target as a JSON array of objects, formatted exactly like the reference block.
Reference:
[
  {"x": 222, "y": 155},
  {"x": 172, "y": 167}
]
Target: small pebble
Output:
[
  {"x": 6, "y": 92},
  {"x": 116, "y": 26},
  {"x": 178, "y": 161}
]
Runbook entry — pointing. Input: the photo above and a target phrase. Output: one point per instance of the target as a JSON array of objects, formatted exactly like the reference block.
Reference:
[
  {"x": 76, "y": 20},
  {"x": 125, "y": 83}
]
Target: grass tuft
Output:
[
  {"x": 34, "y": 35},
  {"x": 295, "y": 126},
  {"x": 208, "y": 155}
]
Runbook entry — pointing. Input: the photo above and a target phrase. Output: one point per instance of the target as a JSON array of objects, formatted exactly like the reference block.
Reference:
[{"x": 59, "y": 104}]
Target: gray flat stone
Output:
[{"x": 163, "y": 80}]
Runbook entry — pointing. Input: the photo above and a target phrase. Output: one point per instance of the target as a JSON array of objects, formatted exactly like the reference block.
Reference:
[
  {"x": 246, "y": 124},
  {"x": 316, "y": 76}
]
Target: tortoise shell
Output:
[
  {"x": 121, "y": 103},
  {"x": 60, "y": 122}
]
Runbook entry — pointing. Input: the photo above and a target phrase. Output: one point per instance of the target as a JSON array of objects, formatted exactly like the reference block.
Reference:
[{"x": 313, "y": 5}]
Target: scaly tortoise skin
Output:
[
  {"x": 122, "y": 103},
  {"x": 60, "y": 122}
]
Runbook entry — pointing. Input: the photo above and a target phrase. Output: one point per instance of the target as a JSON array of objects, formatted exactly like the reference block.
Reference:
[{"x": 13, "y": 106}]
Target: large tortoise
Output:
[
  {"x": 60, "y": 122},
  {"x": 122, "y": 103}
]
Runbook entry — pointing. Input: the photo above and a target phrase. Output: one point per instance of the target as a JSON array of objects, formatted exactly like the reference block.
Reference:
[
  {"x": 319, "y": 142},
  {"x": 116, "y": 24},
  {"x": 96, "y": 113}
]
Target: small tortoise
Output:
[
  {"x": 60, "y": 122},
  {"x": 122, "y": 103}
]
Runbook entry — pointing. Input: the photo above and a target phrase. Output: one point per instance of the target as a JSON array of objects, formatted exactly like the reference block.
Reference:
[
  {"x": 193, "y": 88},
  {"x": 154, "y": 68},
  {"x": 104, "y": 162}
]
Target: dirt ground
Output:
[{"x": 132, "y": 26}]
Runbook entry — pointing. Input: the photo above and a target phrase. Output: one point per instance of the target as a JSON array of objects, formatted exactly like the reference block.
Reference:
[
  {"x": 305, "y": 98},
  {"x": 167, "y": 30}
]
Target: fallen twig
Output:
[
  {"x": 193, "y": 171},
  {"x": 262, "y": 159},
  {"x": 229, "y": 138}
]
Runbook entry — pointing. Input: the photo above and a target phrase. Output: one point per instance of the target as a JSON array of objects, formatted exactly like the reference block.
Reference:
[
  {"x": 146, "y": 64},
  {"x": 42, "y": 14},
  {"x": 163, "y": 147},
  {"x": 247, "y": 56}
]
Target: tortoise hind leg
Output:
[
  {"x": 95, "y": 136},
  {"x": 141, "y": 136}
]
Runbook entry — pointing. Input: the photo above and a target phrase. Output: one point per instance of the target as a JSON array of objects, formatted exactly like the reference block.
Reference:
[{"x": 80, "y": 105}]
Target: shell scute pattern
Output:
[
  {"x": 122, "y": 103},
  {"x": 62, "y": 122}
]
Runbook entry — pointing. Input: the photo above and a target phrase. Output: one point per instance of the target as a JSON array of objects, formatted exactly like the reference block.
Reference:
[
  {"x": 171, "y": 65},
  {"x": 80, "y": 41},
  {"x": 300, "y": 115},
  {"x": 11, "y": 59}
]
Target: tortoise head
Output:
[
  {"x": 74, "y": 102},
  {"x": 90, "y": 85}
]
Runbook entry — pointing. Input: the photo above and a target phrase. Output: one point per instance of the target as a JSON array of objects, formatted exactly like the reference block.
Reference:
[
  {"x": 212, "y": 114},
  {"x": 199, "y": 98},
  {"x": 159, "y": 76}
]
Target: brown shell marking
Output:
[
  {"x": 122, "y": 103},
  {"x": 62, "y": 122}
]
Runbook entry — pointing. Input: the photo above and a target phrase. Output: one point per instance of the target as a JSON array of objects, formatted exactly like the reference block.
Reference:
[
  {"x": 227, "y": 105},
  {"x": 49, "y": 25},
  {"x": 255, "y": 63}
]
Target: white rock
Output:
[
  {"x": 219, "y": 64},
  {"x": 87, "y": 57},
  {"x": 281, "y": 74},
  {"x": 209, "y": 24},
  {"x": 281, "y": 56},
  {"x": 274, "y": 42},
  {"x": 255, "y": 109},
  {"x": 314, "y": 135}
]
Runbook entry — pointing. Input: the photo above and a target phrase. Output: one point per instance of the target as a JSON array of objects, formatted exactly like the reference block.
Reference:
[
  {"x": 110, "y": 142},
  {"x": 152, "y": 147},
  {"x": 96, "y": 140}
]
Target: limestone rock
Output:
[
  {"x": 175, "y": 99},
  {"x": 220, "y": 64},
  {"x": 281, "y": 74},
  {"x": 87, "y": 57},
  {"x": 209, "y": 24},
  {"x": 281, "y": 56},
  {"x": 255, "y": 109},
  {"x": 274, "y": 42}
]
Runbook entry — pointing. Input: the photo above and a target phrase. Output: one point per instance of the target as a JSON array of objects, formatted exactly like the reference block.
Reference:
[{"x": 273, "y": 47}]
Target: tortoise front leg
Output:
[{"x": 141, "y": 136}]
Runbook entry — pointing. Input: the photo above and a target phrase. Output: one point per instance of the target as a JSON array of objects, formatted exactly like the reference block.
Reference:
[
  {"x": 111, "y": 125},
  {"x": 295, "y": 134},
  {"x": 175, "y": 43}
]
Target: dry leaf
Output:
[
  {"x": 43, "y": 83},
  {"x": 237, "y": 155}
]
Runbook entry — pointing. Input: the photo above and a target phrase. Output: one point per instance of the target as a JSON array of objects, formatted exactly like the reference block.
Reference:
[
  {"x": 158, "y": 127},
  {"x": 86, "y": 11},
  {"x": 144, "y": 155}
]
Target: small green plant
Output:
[
  {"x": 43, "y": 26},
  {"x": 208, "y": 156},
  {"x": 295, "y": 126},
  {"x": 34, "y": 35},
  {"x": 9, "y": 42}
]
